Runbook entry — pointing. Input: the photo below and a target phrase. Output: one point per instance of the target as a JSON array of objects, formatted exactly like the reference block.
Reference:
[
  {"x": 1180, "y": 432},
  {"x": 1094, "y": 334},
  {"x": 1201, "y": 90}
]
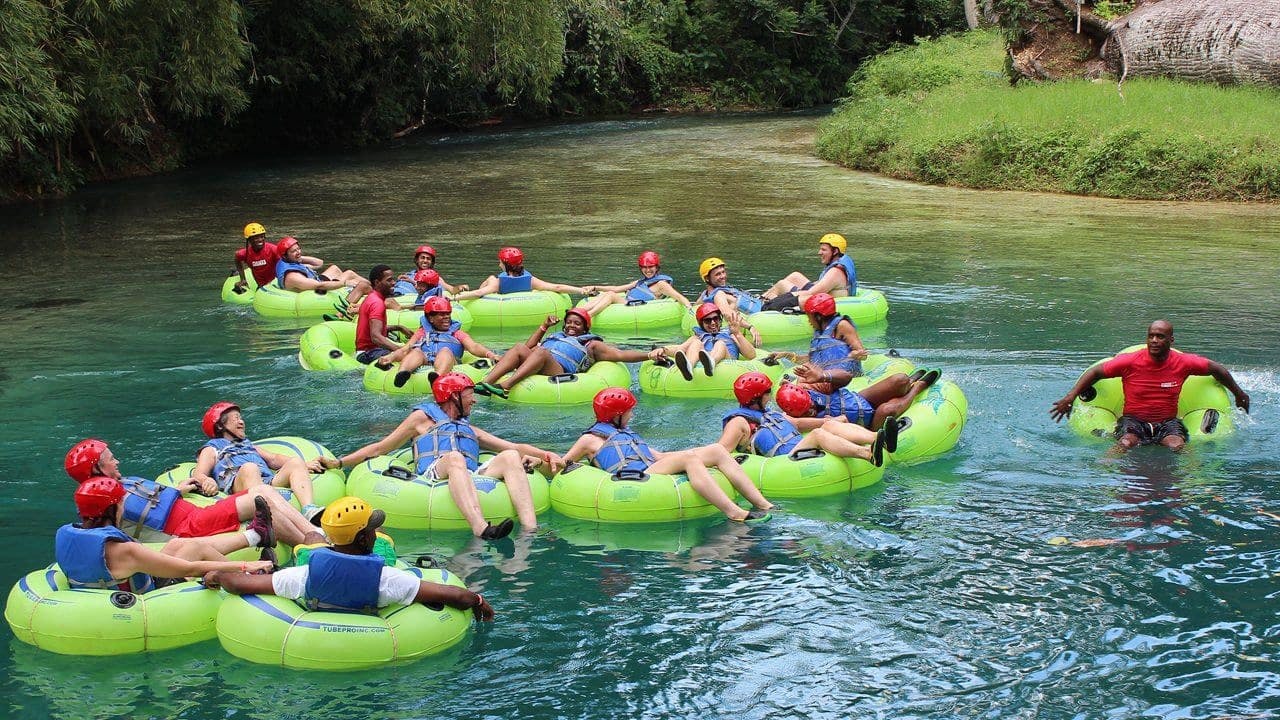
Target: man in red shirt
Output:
[
  {"x": 258, "y": 255},
  {"x": 371, "y": 325},
  {"x": 1152, "y": 380}
]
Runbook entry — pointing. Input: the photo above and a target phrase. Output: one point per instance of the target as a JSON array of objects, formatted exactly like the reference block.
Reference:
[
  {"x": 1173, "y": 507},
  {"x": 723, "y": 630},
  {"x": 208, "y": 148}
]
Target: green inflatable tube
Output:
[
  {"x": 666, "y": 380},
  {"x": 808, "y": 473},
  {"x": 866, "y": 308},
  {"x": 272, "y": 301},
  {"x": 274, "y": 631},
  {"x": 632, "y": 320},
  {"x": 585, "y": 492},
  {"x": 331, "y": 345},
  {"x": 326, "y": 486},
  {"x": 1204, "y": 406},
  {"x": 572, "y": 389},
  {"x": 516, "y": 311},
  {"x": 932, "y": 425},
  {"x": 388, "y": 483},
  {"x": 245, "y": 296},
  {"x": 44, "y": 611},
  {"x": 379, "y": 380}
]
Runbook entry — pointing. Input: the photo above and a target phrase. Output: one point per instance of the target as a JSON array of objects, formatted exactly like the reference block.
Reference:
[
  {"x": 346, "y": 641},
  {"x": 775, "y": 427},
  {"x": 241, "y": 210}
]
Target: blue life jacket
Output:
[
  {"x": 284, "y": 267},
  {"x": 230, "y": 456},
  {"x": 771, "y": 432},
  {"x": 444, "y": 436},
  {"x": 570, "y": 350},
  {"x": 341, "y": 582},
  {"x": 844, "y": 402},
  {"x": 147, "y": 503},
  {"x": 82, "y": 555},
  {"x": 622, "y": 450},
  {"x": 844, "y": 262},
  {"x": 830, "y": 352},
  {"x": 435, "y": 340},
  {"x": 404, "y": 286},
  {"x": 642, "y": 292},
  {"x": 508, "y": 283},
  {"x": 709, "y": 341},
  {"x": 746, "y": 303}
]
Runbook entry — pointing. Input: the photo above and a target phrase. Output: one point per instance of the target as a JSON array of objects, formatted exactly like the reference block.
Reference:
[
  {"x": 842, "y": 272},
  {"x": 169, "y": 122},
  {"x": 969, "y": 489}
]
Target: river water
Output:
[{"x": 946, "y": 591}]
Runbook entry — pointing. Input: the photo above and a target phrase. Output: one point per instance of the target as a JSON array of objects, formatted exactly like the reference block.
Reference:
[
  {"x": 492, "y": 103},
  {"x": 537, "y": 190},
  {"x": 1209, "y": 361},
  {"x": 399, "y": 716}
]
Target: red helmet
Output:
[
  {"x": 705, "y": 310},
  {"x": 213, "y": 416},
  {"x": 82, "y": 457},
  {"x": 450, "y": 384},
  {"x": 612, "y": 403},
  {"x": 428, "y": 276},
  {"x": 437, "y": 304},
  {"x": 285, "y": 244},
  {"x": 794, "y": 401},
  {"x": 583, "y": 314},
  {"x": 96, "y": 494},
  {"x": 649, "y": 258},
  {"x": 425, "y": 249},
  {"x": 820, "y": 304},
  {"x": 751, "y": 386},
  {"x": 511, "y": 256}
]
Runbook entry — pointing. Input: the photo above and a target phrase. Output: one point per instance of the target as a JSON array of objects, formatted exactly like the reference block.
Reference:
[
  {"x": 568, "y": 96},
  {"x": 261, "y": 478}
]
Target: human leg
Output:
[
  {"x": 509, "y": 361},
  {"x": 716, "y": 456},
  {"x": 288, "y": 524},
  {"x": 444, "y": 361},
  {"x": 824, "y": 439},
  {"x": 700, "y": 480},
  {"x": 247, "y": 475},
  {"x": 602, "y": 301},
  {"x": 452, "y": 466},
  {"x": 785, "y": 285},
  {"x": 509, "y": 466},
  {"x": 539, "y": 362},
  {"x": 295, "y": 476}
]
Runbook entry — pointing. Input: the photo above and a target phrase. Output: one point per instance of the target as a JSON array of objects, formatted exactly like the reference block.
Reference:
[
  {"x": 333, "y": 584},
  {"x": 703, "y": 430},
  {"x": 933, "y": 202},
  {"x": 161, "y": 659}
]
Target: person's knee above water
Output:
[
  {"x": 613, "y": 447},
  {"x": 298, "y": 272},
  {"x": 349, "y": 576},
  {"x": 372, "y": 340},
  {"x": 1152, "y": 380},
  {"x": 96, "y": 553},
  {"x": 870, "y": 407},
  {"x": 651, "y": 285},
  {"x": 439, "y": 342},
  {"x": 424, "y": 259},
  {"x": 755, "y": 428},
  {"x": 258, "y": 255},
  {"x": 446, "y": 446},
  {"x": 838, "y": 277},
  {"x": 572, "y": 350},
  {"x": 711, "y": 343},
  {"x": 153, "y": 512},
  {"x": 515, "y": 278},
  {"x": 233, "y": 463}
]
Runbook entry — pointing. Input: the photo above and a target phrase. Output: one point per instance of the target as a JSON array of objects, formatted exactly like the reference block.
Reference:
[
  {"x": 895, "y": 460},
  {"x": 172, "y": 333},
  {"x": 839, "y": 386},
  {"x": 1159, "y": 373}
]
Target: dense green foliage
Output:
[
  {"x": 943, "y": 112},
  {"x": 102, "y": 88}
]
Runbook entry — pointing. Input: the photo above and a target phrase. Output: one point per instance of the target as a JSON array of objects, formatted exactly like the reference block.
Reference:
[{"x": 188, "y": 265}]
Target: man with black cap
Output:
[{"x": 349, "y": 576}]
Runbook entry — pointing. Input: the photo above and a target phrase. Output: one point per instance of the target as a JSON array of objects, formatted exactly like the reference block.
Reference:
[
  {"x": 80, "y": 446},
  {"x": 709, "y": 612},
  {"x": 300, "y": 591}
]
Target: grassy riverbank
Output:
[{"x": 943, "y": 112}]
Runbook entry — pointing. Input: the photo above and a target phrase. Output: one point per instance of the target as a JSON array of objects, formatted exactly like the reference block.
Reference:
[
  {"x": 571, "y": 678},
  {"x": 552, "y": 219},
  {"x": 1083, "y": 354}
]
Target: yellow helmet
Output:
[
  {"x": 253, "y": 229},
  {"x": 345, "y": 517},
  {"x": 708, "y": 265},
  {"x": 836, "y": 241}
]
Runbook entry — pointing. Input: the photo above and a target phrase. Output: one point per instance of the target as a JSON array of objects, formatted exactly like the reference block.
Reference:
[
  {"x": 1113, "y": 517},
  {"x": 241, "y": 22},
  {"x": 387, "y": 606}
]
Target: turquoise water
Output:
[{"x": 939, "y": 593}]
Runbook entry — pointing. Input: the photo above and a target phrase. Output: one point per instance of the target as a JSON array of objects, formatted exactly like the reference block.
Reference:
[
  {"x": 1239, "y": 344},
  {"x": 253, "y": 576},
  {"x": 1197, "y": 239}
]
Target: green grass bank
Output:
[{"x": 943, "y": 112}]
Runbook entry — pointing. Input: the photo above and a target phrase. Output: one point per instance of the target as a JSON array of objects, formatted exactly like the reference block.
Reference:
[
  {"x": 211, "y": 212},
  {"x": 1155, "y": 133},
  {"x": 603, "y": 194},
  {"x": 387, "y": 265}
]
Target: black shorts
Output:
[
  {"x": 367, "y": 356},
  {"x": 1150, "y": 433}
]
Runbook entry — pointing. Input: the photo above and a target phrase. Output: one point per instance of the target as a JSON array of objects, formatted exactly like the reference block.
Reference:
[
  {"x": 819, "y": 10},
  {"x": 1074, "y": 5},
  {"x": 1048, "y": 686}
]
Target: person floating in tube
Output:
[
  {"x": 710, "y": 344},
  {"x": 424, "y": 258},
  {"x": 571, "y": 351},
  {"x": 611, "y": 446},
  {"x": 446, "y": 446},
  {"x": 258, "y": 255},
  {"x": 298, "y": 273},
  {"x": 838, "y": 278},
  {"x": 349, "y": 576},
  {"x": 440, "y": 342},
  {"x": 652, "y": 285},
  {"x": 1152, "y": 379},
  {"x": 515, "y": 278}
]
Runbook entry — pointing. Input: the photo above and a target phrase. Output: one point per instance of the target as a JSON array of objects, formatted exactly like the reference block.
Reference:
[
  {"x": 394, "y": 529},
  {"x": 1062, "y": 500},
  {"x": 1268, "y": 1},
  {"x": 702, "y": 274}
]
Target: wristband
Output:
[
  {"x": 244, "y": 567},
  {"x": 479, "y": 601}
]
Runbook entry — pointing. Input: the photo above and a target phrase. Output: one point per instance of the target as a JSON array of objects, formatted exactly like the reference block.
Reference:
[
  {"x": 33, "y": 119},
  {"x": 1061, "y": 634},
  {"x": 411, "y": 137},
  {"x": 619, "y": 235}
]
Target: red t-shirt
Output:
[
  {"x": 1151, "y": 390},
  {"x": 262, "y": 264},
  {"x": 374, "y": 306}
]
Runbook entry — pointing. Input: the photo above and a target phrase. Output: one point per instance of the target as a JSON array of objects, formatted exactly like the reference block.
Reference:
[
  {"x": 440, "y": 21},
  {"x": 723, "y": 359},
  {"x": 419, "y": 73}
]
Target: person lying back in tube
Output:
[
  {"x": 440, "y": 342},
  {"x": 652, "y": 285},
  {"x": 838, "y": 278},
  {"x": 349, "y": 576},
  {"x": 298, "y": 273},
  {"x": 514, "y": 278},
  {"x": 424, "y": 258}
]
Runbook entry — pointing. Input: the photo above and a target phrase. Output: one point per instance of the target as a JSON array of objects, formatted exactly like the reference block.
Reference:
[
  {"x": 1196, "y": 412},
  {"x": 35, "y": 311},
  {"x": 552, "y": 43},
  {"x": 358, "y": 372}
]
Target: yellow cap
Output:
[
  {"x": 345, "y": 517},
  {"x": 836, "y": 241},
  {"x": 253, "y": 229},
  {"x": 708, "y": 265}
]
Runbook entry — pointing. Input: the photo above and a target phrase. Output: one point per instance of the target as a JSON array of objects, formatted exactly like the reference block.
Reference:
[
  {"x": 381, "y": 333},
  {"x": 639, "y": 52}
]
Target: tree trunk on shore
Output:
[
  {"x": 971, "y": 13},
  {"x": 1222, "y": 41}
]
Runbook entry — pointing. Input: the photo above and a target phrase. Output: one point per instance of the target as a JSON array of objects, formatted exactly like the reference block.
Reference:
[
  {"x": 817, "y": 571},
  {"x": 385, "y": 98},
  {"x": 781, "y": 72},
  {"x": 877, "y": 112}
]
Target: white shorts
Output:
[{"x": 431, "y": 473}]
